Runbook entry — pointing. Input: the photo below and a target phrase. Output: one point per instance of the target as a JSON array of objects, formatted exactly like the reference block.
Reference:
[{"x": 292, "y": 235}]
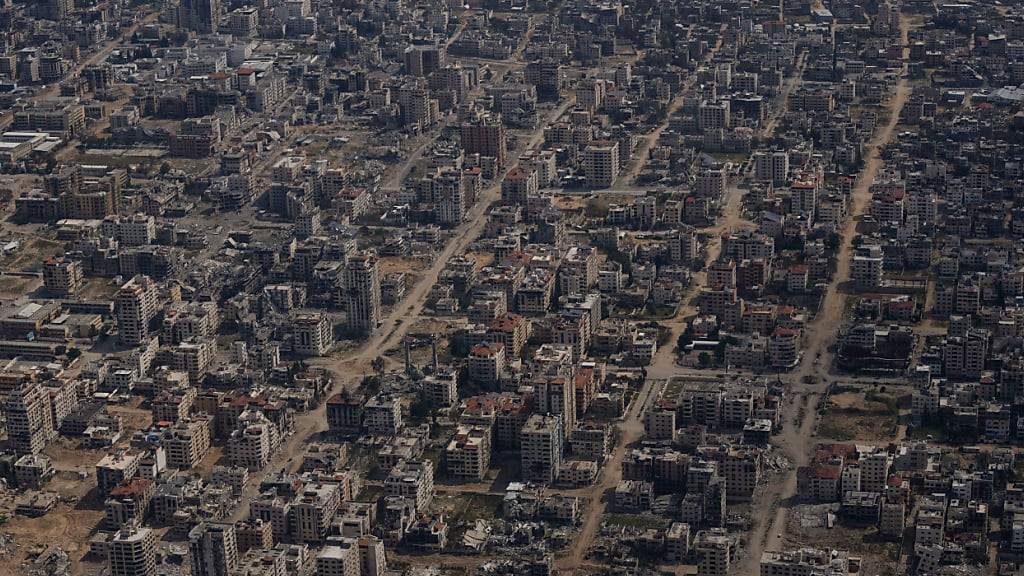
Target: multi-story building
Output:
[
  {"x": 132, "y": 552},
  {"x": 601, "y": 163},
  {"x": 313, "y": 510},
  {"x": 874, "y": 471},
  {"x": 113, "y": 469},
  {"x": 382, "y": 415},
  {"x": 62, "y": 277},
  {"x": 557, "y": 396},
  {"x": 660, "y": 423},
  {"x": 203, "y": 16},
  {"x": 468, "y": 454},
  {"x": 372, "y": 559},
  {"x": 486, "y": 364},
  {"x": 362, "y": 293},
  {"x": 518, "y": 186},
  {"x": 187, "y": 442},
  {"x": 713, "y": 550},
  {"x": 64, "y": 117},
  {"x": 424, "y": 59},
  {"x": 772, "y": 166},
  {"x": 312, "y": 334},
  {"x": 136, "y": 304},
  {"x": 344, "y": 414},
  {"x": 213, "y": 549},
  {"x": 339, "y": 558},
  {"x": 441, "y": 389},
  {"x": 29, "y": 418},
  {"x": 866, "y": 268},
  {"x": 128, "y": 504},
  {"x": 254, "y": 442},
  {"x": 486, "y": 137},
  {"x": 541, "y": 445},
  {"x": 412, "y": 479}
]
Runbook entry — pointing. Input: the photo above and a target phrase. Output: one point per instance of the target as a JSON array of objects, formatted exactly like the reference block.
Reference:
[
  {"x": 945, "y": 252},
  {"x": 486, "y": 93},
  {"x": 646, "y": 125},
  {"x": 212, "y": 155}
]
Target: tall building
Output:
[
  {"x": 362, "y": 293},
  {"x": 62, "y": 277},
  {"x": 468, "y": 454},
  {"x": 713, "y": 551},
  {"x": 29, "y": 419},
  {"x": 59, "y": 9},
  {"x": 540, "y": 444},
  {"x": 771, "y": 166},
  {"x": 132, "y": 552},
  {"x": 203, "y": 16},
  {"x": 254, "y": 442},
  {"x": 591, "y": 93},
  {"x": 601, "y": 163},
  {"x": 372, "y": 560},
  {"x": 213, "y": 549},
  {"x": 485, "y": 137},
  {"x": 557, "y": 396},
  {"x": 424, "y": 59},
  {"x": 312, "y": 334},
  {"x": 866, "y": 268},
  {"x": 519, "y": 186},
  {"x": 136, "y": 303}
]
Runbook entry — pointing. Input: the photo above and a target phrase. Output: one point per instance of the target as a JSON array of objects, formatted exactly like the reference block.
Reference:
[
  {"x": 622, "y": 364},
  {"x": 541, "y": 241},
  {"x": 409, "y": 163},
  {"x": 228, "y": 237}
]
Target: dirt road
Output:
[
  {"x": 350, "y": 367},
  {"x": 796, "y": 441}
]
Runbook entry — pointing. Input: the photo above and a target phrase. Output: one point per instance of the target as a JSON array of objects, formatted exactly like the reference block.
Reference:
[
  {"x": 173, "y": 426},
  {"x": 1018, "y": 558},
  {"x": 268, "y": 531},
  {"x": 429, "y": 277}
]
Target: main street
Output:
[
  {"x": 797, "y": 440},
  {"x": 349, "y": 367}
]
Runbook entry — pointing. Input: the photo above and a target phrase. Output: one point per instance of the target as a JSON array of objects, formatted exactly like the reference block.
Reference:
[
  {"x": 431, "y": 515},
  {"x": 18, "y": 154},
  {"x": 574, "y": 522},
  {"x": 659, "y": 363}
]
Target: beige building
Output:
[
  {"x": 187, "y": 442},
  {"x": 62, "y": 277},
  {"x": 312, "y": 334},
  {"x": 382, "y": 415},
  {"x": 468, "y": 454},
  {"x": 132, "y": 552},
  {"x": 412, "y": 479},
  {"x": 714, "y": 552},
  {"x": 136, "y": 304},
  {"x": 29, "y": 419},
  {"x": 541, "y": 443},
  {"x": 213, "y": 549},
  {"x": 254, "y": 442},
  {"x": 313, "y": 511},
  {"x": 601, "y": 163},
  {"x": 339, "y": 558},
  {"x": 372, "y": 559},
  {"x": 362, "y": 294}
]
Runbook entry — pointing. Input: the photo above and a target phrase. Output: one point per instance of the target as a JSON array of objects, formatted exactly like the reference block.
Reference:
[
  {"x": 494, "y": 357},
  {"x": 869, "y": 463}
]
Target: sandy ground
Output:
[
  {"x": 797, "y": 440},
  {"x": 390, "y": 264}
]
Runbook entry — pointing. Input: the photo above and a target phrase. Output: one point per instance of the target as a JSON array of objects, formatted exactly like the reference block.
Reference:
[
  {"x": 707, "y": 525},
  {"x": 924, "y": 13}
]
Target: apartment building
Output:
[
  {"x": 362, "y": 294},
  {"x": 213, "y": 549},
  {"x": 468, "y": 454},
  {"x": 136, "y": 304},
  {"x": 132, "y": 552},
  {"x": 601, "y": 163},
  {"x": 412, "y": 479},
  {"x": 541, "y": 444}
]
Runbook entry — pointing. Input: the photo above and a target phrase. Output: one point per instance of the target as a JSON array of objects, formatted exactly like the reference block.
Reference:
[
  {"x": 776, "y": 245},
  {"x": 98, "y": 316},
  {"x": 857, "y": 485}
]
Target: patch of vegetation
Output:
[
  {"x": 479, "y": 507},
  {"x": 639, "y": 521},
  {"x": 834, "y": 429}
]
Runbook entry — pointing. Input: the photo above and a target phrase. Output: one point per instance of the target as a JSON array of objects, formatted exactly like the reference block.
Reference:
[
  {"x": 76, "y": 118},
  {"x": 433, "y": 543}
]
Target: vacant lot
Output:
[
  {"x": 860, "y": 416},
  {"x": 29, "y": 257},
  {"x": 879, "y": 557}
]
